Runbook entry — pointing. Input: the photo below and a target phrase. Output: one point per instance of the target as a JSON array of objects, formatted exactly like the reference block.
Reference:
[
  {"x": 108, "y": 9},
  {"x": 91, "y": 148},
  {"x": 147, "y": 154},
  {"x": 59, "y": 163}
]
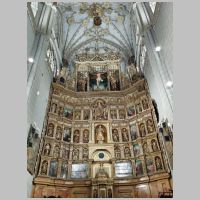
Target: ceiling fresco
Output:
[{"x": 97, "y": 28}]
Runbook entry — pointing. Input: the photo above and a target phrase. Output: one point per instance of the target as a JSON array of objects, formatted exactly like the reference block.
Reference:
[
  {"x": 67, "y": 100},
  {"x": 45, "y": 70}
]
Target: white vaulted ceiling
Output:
[{"x": 116, "y": 32}]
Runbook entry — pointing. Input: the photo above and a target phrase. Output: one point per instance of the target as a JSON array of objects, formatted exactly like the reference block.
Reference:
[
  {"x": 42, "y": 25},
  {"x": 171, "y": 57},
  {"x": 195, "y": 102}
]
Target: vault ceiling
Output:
[{"x": 114, "y": 29}]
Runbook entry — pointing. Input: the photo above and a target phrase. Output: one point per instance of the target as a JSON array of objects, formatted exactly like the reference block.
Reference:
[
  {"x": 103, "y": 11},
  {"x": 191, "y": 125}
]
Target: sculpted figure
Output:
[
  {"x": 47, "y": 149},
  {"x": 100, "y": 135}
]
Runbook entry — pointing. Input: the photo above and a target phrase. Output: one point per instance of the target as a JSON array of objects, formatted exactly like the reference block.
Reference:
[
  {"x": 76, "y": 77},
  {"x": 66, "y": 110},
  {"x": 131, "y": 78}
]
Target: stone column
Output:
[{"x": 69, "y": 170}]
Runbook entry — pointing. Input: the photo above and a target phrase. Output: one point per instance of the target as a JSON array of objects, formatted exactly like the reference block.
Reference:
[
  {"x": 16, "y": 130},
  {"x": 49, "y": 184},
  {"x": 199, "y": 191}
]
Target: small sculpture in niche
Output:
[
  {"x": 86, "y": 114},
  {"x": 145, "y": 148},
  {"x": 145, "y": 104},
  {"x": 85, "y": 136},
  {"x": 53, "y": 107},
  {"x": 56, "y": 152},
  {"x": 117, "y": 152},
  {"x": 95, "y": 193},
  {"x": 58, "y": 133},
  {"x": 44, "y": 168},
  {"x": 122, "y": 114},
  {"x": 138, "y": 108},
  {"x": 76, "y": 136},
  {"x": 127, "y": 152},
  {"x": 47, "y": 149},
  {"x": 113, "y": 114},
  {"x": 109, "y": 193},
  {"x": 77, "y": 115},
  {"x": 75, "y": 154},
  {"x": 124, "y": 135},
  {"x": 154, "y": 145},
  {"x": 142, "y": 130},
  {"x": 50, "y": 130},
  {"x": 150, "y": 126},
  {"x": 65, "y": 153},
  {"x": 115, "y": 135},
  {"x": 100, "y": 134},
  {"x": 60, "y": 111},
  {"x": 158, "y": 163},
  {"x": 85, "y": 153},
  {"x": 100, "y": 110}
]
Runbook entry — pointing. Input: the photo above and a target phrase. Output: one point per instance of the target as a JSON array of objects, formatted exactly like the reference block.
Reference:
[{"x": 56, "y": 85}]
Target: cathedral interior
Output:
[{"x": 99, "y": 100}]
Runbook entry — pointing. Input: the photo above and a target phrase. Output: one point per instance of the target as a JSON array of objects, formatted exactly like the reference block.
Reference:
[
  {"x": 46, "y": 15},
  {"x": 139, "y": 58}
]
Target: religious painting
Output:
[
  {"x": 100, "y": 110},
  {"x": 79, "y": 171},
  {"x": 136, "y": 149},
  {"x": 63, "y": 172},
  {"x": 33, "y": 142},
  {"x": 81, "y": 82},
  {"x": 150, "y": 166},
  {"x": 142, "y": 130},
  {"x": 76, "y": 136},
  {"x": 53, "y": 168},
  {"x": 100, "y": 134},
  {"x": 115, "y": 135},
  {"x": 150, "y": 126},
  {"x": 125, "y": 137},
  {"x": 123, "y": 169},
  {"x": 122, "y": 114},
  {"x": 50, "y": 130},
  {"x": 85, "y": 136},
  {"x": 68, "y": 113},
  {"x": 86, "y": 114},
  {"x": 131, "y": 111},
  {"x": 114, "y": 80},
  {"x": 77, "y": 115},
  {"x": 154, "y": 145},
  {"x": 44, "y": 167},
  {"x": 139, "y": 168},
  {"x": 67, "y": 134},
  {"x": 158, "y": 163},
  {"x": 98, "y": 81},
  {"x": 145, "y": 104},
  {"x": 113, "y": 114},
  {"x": 133, "y": 131}
]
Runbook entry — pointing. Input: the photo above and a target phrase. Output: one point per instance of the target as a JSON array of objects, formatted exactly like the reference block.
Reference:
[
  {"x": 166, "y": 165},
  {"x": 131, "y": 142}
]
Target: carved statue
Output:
[
  {"x": 76, "y": 136},
  {"x": 142, "y": 130},
  {"x": 122, "y": 114},
  {"x": 100, "y": 135},
  {"x": 113, "y": 114},
  {"x": 127, "y": 152},
  {"x": 115, "y": 135},
  {"x": 47, "y": 149},
  {"x": 58, "y": 133},
  {"x": 56, "y": 151},
  {"x": 60, "y": 111},
  {"x": 44, "y": 168},
  {"x": 54, "y": 107},
  {"x": 100, "y": 110},
  {"x": 98, "y": 79},
  {"x": 77, "y": 115},
  {"x": 117, "y": 152},
  {"x": 124, "y": 135},
  {"x": 86, "y": 114},
  {"x": 145, "y": 104},
  {"x": 145, "y": 148},
  {"x": 138, "y": 108},
  {"x": 113, "y": 83},
  {"x": 150, "y": 126},
  {"x": 65, "y": 153},
  {"x": 154, "y": 145},
  {"x": 85, "y": 153},
  {"x": 50, "y": 130}
]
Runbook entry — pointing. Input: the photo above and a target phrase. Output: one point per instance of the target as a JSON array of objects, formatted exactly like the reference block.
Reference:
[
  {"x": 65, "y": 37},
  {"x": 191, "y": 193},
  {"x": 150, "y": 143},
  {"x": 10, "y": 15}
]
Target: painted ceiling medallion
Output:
[{"x": 97, "y": 21}]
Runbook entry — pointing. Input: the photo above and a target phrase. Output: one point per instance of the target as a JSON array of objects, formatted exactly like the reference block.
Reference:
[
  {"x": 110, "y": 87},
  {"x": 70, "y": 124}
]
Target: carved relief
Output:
[
  {"x": 145, "y": 104},
  {"x": 100, "y": 111},
  {"x": 154, "y": 145},
  {"x": 142, "y": 130},
  {"x": 54, "y": 108},
  {"x": 58, "y": 133},
  {"x": 113, "y": 114},
  {"x": 101, "y": 134},
  {"x": 145, "y": 148},
  {"x": 158, "y": 163},
  {"x": 86, "y": 114},
  {"x": 47, "y": 149},
  {"x": 56, "y": 152},
  {"x": 44, "y": 168},
  {"x": 127, "y": 152},
  {"x": 77, "y": 115},
  {"x": 150, "y": 126},
  {"x": 85, "y": 153},
  {"x": 117, "y": 152},
  {"x": 50, "y": 130},
  {"x": 122, "y": 114},
  {"x": 75, "y": 154}
]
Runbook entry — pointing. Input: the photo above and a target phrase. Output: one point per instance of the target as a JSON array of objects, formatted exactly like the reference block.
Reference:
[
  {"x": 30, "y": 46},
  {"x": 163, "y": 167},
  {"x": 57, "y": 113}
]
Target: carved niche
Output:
[
  {"x": 100, "y": 134},
  {"x": 100, "y": 110}
]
